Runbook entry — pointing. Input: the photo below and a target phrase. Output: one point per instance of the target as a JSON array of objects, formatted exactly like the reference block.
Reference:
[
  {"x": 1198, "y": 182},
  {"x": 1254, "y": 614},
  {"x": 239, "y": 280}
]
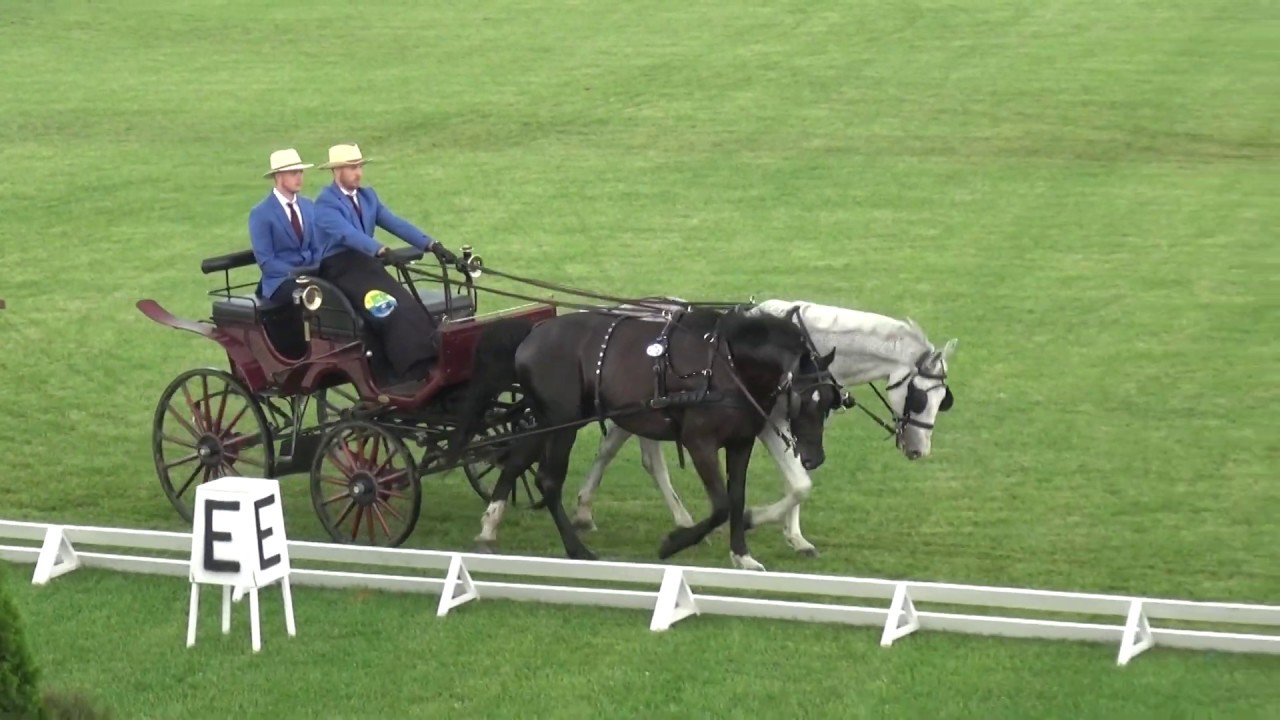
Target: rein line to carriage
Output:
[{"x": 658, "y": 350}]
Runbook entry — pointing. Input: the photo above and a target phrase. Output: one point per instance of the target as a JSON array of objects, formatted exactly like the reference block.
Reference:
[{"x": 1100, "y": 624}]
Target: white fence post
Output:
[
  {"x": 57, "y": 557},
  {"x": 1137, "y": 635},
  {"x": 902, "y": 620},
  {"x": 457, "y": 579},
  {"x": 675, "y": 601}
]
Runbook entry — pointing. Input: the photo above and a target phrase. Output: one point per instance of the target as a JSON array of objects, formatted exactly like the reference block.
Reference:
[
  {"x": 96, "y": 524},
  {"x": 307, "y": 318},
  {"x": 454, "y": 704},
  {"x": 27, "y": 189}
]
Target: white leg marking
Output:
[
  {"x": 796, "y": 487},
  {"x": 490, "y": 521},
  {"x": 610, "y": 444},
  {"x": 652, "y": 459},
  {"x": 745, "y": 562}
]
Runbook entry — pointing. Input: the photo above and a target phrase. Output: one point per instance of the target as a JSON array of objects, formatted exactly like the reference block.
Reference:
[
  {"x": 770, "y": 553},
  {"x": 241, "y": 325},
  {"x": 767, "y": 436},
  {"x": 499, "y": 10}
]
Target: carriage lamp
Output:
[
  {"x": 472, "y": 263},
  {"x": 312, "y": 297}
]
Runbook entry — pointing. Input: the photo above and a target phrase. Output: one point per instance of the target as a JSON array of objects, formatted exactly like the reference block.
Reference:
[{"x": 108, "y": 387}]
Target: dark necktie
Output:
[
  {"x": 293, "y": 220},
  {"x": 356, "y": 205}
]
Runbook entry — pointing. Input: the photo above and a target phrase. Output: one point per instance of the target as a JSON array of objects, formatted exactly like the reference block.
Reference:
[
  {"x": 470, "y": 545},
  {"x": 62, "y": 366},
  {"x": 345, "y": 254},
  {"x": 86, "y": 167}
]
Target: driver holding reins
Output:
[{"x": 345, "y": 217}]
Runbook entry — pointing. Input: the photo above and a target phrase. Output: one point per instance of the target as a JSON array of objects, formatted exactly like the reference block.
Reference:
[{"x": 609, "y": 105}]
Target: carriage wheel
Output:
[
  {"x": 482, "y": 475},
  {"x": 365, "y": 485},
  {"x": 206, "y": 426}
]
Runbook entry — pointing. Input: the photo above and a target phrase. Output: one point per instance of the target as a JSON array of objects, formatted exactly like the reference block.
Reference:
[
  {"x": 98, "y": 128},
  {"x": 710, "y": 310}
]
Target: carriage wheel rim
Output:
[
  {"x": 364, "y": 486},
  {"x": 207, "y": 425}
]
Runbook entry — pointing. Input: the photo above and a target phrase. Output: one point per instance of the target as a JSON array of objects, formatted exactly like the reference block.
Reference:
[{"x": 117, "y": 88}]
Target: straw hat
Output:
[
  {"x": 284, "y": 161},
  {"x": 345, "y": 156}
]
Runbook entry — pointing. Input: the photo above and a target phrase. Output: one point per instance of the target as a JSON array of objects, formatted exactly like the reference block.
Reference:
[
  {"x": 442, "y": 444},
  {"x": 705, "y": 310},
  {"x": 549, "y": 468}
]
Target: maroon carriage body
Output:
[{"x": 275, "y": 390}]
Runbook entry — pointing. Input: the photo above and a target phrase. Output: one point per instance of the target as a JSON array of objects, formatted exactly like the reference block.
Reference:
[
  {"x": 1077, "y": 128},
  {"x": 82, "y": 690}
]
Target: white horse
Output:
[{"x": 868, "y": 347}]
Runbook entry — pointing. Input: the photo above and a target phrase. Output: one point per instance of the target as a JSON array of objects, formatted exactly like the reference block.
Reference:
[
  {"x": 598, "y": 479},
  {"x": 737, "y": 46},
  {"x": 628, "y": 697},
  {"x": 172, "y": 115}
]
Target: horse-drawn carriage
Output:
[
  {"x": 708, "y": 376},
  {"x": 253, "y": 420}
]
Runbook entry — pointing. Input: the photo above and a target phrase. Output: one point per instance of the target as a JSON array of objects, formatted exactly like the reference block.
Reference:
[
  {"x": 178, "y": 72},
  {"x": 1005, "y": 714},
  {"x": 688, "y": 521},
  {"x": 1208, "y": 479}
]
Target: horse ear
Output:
[
  {"x": 825, "y": 361},
  {"x": 949, "y": 349}
]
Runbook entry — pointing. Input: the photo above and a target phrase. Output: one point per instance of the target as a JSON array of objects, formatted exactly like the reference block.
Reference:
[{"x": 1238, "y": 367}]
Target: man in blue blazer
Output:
[
  {"x": 346, "y": 216},
  {"x": 282, "y": 231}
]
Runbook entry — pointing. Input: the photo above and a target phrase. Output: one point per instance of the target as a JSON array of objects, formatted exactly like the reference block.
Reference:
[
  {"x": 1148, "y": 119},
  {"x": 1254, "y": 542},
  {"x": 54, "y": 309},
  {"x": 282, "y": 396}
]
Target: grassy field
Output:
[{"x": 1083, "y": 194}]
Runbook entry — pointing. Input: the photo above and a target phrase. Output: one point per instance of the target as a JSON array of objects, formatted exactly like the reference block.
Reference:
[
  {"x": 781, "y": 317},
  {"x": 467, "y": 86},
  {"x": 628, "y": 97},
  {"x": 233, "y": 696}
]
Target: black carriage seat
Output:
[
  {"x": 459, "y": 307},
  {"x": 245, "y": 309}
]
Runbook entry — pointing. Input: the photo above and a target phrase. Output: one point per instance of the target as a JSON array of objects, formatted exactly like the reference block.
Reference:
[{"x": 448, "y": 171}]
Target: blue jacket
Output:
[
  {"x": 276, "y": 246},
  {"x": 341, "y": 229}
]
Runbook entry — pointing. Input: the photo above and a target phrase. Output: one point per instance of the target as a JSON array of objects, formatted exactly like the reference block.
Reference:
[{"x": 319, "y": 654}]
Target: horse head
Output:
[
  {"x": 916, "y": 394},
  {"x": 773, "y": 356}
]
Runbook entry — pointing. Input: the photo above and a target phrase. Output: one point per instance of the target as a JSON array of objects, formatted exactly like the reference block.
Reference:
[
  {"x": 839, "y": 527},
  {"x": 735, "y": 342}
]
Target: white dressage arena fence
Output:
[{"x": 671, "y": 593}]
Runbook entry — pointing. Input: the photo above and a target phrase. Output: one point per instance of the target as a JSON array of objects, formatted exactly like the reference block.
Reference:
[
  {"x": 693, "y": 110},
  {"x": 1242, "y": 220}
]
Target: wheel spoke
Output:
[
  {"x": 391, "y": 509},
  {"x": 204, "y": 403},
  {"x": 195, "y": 411},
  {"x": 239, "y": 440},
  {"x": 183, "y": 421},
  {"x": 333, "y": 480},
  {"x": 381, "y": 521},
  {"x": 392, "y": 479},
  {"x": 177, "y": 441},
  {"x": 187, "y": 484},
  {"x": 355, "y": 529},
  {"x": 183, "y": 461},
  {"x": 222, "y": 408},
  {"x": 342, "y": 495},
  {"x": 345, "y": 511},
  {"x": 347, "y": 470},
  {"x": 354, "y": 463},
  {"x": 231, "y": 425}
]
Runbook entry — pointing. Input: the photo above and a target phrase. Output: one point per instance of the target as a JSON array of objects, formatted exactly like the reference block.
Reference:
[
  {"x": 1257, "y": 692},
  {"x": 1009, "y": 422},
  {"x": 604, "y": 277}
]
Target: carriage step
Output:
[{"x": 292, "y": 460}]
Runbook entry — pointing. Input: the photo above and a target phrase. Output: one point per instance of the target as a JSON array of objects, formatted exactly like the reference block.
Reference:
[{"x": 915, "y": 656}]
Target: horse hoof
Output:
[
  {"x": 485, "y": 548},
  {"x": 809, "y": 552},
  {"x": 667, "y": 549},
  {"x": 584, "y": 524},
  {"x": 745, "y": 562},
  {"x": 583, "y": 554}
]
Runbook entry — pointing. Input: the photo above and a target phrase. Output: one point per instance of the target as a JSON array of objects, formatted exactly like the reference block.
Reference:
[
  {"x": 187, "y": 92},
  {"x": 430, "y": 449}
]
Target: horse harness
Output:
[{"x": 668, "y": 402}]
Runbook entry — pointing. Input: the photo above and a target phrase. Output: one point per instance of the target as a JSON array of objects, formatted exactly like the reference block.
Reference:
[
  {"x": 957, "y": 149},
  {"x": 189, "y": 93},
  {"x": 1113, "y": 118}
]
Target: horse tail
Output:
[{"x": 493, "y": 370}]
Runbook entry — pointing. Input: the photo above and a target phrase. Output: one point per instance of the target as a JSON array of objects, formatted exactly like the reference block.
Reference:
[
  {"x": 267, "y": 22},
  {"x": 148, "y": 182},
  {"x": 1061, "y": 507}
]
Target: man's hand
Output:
[{"x": 443, "y": 253}]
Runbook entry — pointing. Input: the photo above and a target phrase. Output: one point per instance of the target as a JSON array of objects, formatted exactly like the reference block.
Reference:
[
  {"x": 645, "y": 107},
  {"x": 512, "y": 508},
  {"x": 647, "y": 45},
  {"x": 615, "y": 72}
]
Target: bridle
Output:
[
  {"x": 821, "y": 377},
  {"x": 916, "y": 401}
]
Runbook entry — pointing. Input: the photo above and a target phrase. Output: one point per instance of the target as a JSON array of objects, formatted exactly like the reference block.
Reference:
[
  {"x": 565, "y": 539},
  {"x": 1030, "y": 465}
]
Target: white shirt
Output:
[
  {"x": 351, "y": 194},
  {"x": 286, "y": 202}
]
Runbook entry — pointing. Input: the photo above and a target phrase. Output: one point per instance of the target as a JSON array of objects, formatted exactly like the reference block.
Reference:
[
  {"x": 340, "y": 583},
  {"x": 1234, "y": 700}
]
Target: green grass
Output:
[{"x": 1083, "y": 193}]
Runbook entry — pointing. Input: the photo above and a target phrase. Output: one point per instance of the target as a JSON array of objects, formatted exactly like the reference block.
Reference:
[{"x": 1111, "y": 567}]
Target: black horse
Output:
[{"x": 703, "y": 378}]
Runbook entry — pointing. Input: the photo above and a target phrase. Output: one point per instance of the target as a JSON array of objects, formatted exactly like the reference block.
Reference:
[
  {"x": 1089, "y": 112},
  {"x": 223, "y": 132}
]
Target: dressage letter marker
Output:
[{"x": 238, "y": 542}]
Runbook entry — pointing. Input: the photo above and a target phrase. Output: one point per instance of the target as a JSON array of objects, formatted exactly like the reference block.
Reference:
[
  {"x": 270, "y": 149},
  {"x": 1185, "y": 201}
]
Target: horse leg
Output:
[
  {"x": 610, "y": 444},
  {"x": 551, "y": 478},
  {"x": 737, "y": 456},
  {"x": 796, "y": 487},
  {"x": 519, "y": 459},
  {"x": 705, "y": 457},
  {"x": 652, "y": 460}
]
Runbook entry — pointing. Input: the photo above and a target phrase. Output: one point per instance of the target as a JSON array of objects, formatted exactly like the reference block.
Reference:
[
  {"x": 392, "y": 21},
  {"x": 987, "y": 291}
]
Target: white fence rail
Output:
[{"x": 673, "y": 592}]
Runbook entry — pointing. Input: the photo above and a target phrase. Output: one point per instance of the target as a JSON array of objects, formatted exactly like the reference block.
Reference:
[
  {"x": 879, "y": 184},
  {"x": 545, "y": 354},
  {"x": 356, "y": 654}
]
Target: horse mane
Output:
[
  {"x": 882, "y": 336},
  {"x": 762, "y": 338}
]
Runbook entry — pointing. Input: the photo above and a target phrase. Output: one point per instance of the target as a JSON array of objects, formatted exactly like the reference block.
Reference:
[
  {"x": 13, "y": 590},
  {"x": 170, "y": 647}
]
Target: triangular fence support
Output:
[
  {"x": 675, "y": 601},
  {"x": 458, "y": 587},
  {"x": 902, "y": 620},
  {"x": 1137, "y": 635},
  {"x": 57, "y": 557}
]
